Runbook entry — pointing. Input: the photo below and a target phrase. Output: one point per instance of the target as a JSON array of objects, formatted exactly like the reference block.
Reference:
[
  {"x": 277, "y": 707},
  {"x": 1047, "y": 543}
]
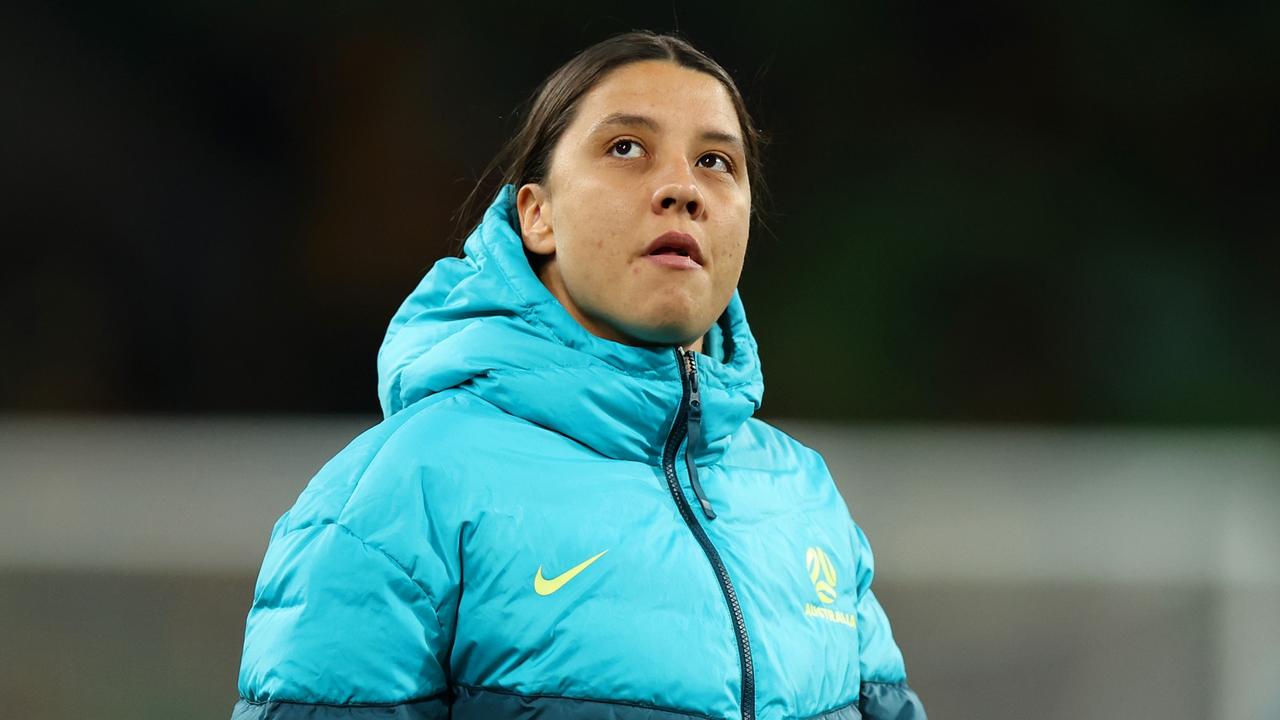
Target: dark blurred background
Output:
[
  {"x": 1025, "y": 212},
  {"x": 1018, "y": 281}
]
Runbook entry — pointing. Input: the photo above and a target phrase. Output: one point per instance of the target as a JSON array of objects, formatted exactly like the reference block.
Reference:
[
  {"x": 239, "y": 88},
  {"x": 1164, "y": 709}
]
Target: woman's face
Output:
[{"x": 654, "y": 150}]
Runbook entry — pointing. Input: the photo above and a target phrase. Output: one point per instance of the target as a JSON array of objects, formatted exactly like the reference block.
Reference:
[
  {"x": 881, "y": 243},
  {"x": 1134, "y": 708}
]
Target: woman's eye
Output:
[
  {"x": 626, "y": 149},
  {"x": 710, "y": 161}
]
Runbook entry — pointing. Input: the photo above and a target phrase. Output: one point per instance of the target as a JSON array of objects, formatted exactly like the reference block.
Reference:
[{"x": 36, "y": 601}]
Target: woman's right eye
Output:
[{"x": 626, "y": 149}]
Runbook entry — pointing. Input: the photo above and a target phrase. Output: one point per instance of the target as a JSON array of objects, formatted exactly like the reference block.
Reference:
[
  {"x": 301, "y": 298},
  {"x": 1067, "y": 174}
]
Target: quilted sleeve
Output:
[
  {"x": 339, "y": 629},
  {"x": 885, "y": 694}
]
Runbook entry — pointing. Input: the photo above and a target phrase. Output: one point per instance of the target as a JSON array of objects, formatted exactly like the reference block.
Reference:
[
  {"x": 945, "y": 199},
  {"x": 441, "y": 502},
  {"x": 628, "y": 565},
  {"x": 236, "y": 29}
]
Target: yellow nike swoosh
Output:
[{"x": 543, "y": 586}]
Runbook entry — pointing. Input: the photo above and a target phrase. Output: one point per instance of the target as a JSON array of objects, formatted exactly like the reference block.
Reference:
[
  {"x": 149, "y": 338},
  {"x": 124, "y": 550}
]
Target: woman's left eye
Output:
[{"x": 710, "y": 161}]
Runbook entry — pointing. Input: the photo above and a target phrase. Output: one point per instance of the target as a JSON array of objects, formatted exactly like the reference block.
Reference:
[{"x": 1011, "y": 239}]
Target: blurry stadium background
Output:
[{"x": 1020, "y": 282}]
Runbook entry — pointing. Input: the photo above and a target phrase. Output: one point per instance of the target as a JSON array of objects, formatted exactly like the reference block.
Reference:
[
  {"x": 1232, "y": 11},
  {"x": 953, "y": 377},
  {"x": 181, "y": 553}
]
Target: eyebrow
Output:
[{"x": 630, "y": 120}]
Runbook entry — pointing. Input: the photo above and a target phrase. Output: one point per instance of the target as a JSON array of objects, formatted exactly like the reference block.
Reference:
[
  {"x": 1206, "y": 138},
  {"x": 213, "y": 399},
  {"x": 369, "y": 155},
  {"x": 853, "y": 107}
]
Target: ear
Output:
[{"x": 533, "y": 205}]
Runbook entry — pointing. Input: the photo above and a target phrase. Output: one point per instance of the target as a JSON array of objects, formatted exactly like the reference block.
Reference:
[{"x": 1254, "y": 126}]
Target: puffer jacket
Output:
[{"x": 547, "y": 524}]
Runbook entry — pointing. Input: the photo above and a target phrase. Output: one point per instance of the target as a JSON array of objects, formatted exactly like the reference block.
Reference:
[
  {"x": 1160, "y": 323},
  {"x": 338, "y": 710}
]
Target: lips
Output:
[{"x": 675, "y": 249}]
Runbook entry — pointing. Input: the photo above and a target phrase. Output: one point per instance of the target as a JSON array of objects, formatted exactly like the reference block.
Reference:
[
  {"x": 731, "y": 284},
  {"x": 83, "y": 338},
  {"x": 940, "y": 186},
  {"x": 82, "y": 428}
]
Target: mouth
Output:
[{"x": 675, "y": 249}]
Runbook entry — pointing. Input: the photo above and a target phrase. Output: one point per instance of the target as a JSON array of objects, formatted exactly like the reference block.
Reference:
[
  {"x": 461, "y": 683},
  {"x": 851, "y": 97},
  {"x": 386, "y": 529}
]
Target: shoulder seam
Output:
[
  {"x": 787, "y": 435},
  {"x": 439, "y": 399},
  {"x": 435, "y": 605}
]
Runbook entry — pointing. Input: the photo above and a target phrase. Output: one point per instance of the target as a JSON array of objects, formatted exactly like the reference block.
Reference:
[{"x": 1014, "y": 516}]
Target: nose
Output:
[{"x": 679, "y": 196}]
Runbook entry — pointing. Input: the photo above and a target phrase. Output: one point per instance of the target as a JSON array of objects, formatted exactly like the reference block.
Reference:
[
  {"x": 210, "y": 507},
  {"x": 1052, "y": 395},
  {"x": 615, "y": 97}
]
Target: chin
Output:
[{"x": 668, "y": 330}]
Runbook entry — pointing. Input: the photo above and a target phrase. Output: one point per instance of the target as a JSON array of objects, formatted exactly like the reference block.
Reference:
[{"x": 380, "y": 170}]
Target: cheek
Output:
[
  {"x": 731, "y": 271},
  {"x": 735, "y": 247},
  {"x": 594, "y": 237},
  {"x": 591, "y": 253}
]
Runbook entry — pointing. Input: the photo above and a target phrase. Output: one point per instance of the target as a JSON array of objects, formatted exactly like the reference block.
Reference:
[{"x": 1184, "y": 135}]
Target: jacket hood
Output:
[{"x": 487, "y": 323}]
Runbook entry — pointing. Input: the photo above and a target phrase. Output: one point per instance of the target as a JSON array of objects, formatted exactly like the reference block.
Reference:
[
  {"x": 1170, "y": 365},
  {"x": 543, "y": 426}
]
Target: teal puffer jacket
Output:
[{"x": 548, "y": 524}]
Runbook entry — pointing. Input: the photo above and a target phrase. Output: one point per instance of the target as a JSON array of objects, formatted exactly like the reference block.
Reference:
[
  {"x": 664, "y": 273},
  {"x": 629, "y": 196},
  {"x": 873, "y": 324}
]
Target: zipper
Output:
[
  {"x": 688, "y": 424},
  {"x": 694, "y": 435}
]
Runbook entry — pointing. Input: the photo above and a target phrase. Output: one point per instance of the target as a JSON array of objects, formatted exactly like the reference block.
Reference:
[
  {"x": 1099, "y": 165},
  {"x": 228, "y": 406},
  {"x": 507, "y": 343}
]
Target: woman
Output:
[{"x": 569, "y": 511}]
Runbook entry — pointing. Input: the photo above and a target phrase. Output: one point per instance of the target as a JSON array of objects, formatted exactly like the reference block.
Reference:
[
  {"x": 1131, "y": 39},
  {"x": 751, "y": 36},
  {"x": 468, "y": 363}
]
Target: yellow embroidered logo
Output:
[
  {"x": 823, "y": 576},
  {"x": 543, "y": 586},
  {"x": 822, "y": 573}
]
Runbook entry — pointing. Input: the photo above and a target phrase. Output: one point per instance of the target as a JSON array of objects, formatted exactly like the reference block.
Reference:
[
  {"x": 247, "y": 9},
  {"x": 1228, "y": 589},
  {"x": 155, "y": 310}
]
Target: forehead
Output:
[{"x": 669, "y": 92}]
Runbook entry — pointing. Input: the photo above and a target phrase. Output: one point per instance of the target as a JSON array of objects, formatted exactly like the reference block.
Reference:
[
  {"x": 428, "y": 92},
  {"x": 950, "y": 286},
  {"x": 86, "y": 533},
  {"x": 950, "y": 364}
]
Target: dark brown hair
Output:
[{"x": 526, "y": 157}]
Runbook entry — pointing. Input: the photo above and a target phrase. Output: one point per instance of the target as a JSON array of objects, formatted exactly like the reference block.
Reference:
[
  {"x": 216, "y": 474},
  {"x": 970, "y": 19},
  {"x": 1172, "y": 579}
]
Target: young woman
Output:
[{"x": 569, "y": 511}]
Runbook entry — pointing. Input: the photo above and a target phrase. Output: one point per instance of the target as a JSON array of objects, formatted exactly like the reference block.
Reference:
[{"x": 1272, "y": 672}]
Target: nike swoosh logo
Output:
[{"x": 543, "y": 586}]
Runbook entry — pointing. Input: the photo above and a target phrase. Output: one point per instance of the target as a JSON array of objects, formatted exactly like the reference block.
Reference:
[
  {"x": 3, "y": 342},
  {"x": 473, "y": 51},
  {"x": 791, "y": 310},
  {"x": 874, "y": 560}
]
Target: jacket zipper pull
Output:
[{"x": 694, "y": 435}]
